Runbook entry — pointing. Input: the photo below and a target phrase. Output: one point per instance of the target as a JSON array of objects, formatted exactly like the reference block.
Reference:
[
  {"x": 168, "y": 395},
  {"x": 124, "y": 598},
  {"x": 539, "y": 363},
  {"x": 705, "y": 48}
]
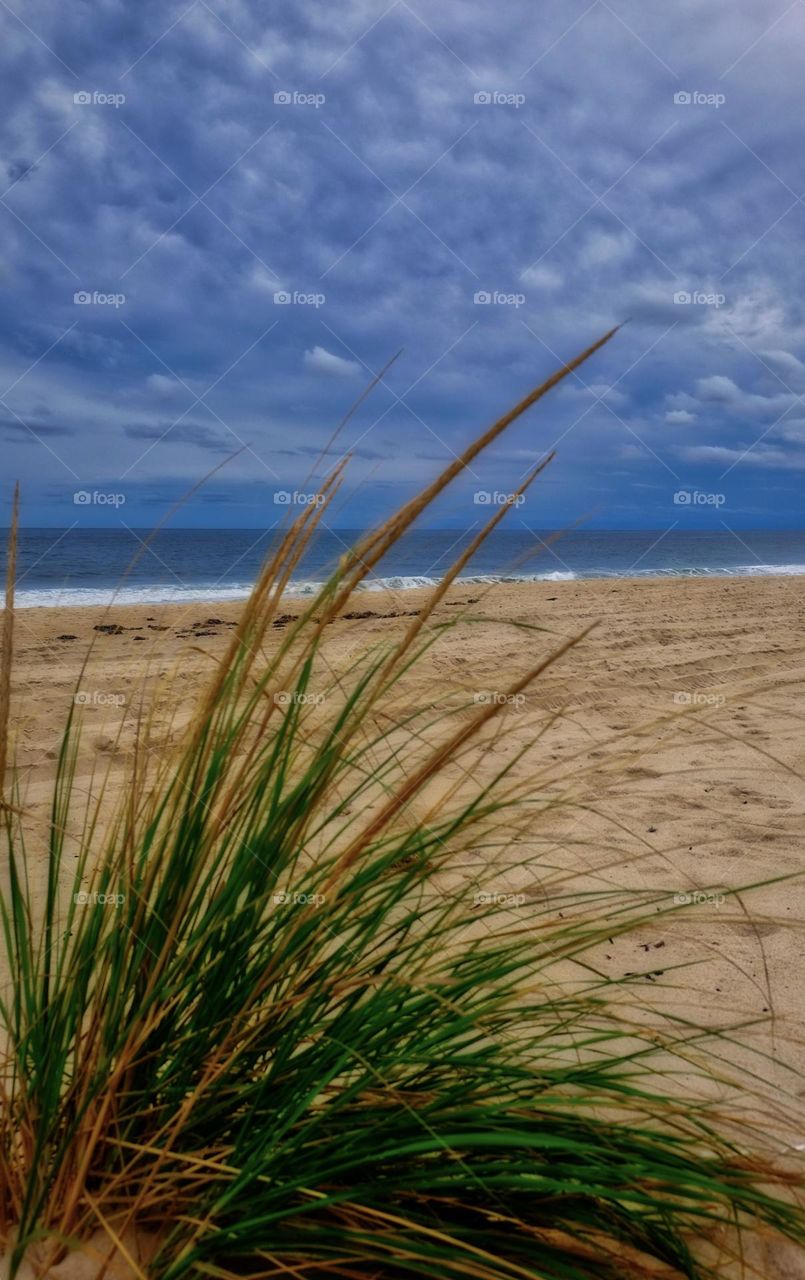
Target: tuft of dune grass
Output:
[{"x": 246, "y": 1027}]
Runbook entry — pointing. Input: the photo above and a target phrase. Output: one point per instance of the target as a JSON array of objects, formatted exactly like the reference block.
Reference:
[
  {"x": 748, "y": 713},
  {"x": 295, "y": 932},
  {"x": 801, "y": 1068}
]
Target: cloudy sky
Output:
[{"x": 220, "y": 221}]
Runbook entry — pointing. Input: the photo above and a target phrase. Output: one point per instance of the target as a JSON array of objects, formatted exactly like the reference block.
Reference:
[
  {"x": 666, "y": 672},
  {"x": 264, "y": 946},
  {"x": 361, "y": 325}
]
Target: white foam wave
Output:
[
  {"x": 101, "y": 597},
  {"x": 774, "y": 570},
  {"x": 66, "y": 597}
]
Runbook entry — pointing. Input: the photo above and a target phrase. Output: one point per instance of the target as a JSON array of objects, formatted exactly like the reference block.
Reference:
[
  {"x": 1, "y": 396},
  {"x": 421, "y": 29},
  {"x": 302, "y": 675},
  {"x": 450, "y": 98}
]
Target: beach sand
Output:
[{"x": 676, "y": 727}]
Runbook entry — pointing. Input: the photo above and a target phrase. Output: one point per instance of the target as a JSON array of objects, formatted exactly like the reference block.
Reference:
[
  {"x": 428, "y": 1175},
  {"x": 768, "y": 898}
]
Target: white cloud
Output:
[
  {"x": 597, "y": 390},
  {"x": 323, "y": 361},
  {"x": 679, "y": 417},
  {"x": 611, "y": 395},
  {"x": 761, "y": 455},
  {"x": 759, "y": 317},
  {"x": 718, "y": 389},
  {"x": 604, "y": 247},
  {"x": 162, "y": 385},
  {"x": 263, "y": 280},
  {"x": 793, "y": 429},
  {"x": 786, "y": 364},
  {"x": 542, "y": 276}
]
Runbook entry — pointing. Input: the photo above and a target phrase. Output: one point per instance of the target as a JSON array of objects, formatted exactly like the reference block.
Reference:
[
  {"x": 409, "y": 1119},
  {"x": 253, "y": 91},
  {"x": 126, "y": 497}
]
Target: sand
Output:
[{"x": 680, "y": 718}]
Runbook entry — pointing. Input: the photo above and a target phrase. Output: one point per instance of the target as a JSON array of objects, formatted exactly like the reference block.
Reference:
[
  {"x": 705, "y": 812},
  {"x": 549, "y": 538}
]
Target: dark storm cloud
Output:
[
  {"x": 29, "y": 429},
  {"x": 262, "y": 206},
  {"x": 16, "y": 170}
]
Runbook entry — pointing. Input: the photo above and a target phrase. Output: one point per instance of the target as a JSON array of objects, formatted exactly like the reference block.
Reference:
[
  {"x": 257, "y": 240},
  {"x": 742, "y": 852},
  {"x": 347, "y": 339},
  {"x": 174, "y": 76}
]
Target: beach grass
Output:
[{"x": 255, "y": 1029}]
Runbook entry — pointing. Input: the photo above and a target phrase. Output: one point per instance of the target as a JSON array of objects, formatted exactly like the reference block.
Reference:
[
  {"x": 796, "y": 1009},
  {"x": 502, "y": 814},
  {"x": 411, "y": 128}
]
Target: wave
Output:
[
  {"x": 64, "y": 597},
  {"x": 774, "y": 570}
]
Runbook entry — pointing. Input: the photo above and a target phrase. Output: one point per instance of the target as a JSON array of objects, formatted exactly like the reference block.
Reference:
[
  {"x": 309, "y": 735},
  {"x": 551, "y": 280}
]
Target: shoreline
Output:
[
  {"x": 569, "y": 604},
  {"x": 159, "y": 596},
  {"x": 659, "y": 635}
]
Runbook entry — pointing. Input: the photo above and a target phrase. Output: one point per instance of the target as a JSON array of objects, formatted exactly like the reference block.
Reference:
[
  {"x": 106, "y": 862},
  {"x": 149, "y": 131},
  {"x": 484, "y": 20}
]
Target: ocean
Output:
[{"x": 83, "y": 566}]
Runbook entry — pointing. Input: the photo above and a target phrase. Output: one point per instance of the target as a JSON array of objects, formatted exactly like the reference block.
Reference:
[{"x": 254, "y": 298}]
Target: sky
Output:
[{"x": 221, "y": 221}]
